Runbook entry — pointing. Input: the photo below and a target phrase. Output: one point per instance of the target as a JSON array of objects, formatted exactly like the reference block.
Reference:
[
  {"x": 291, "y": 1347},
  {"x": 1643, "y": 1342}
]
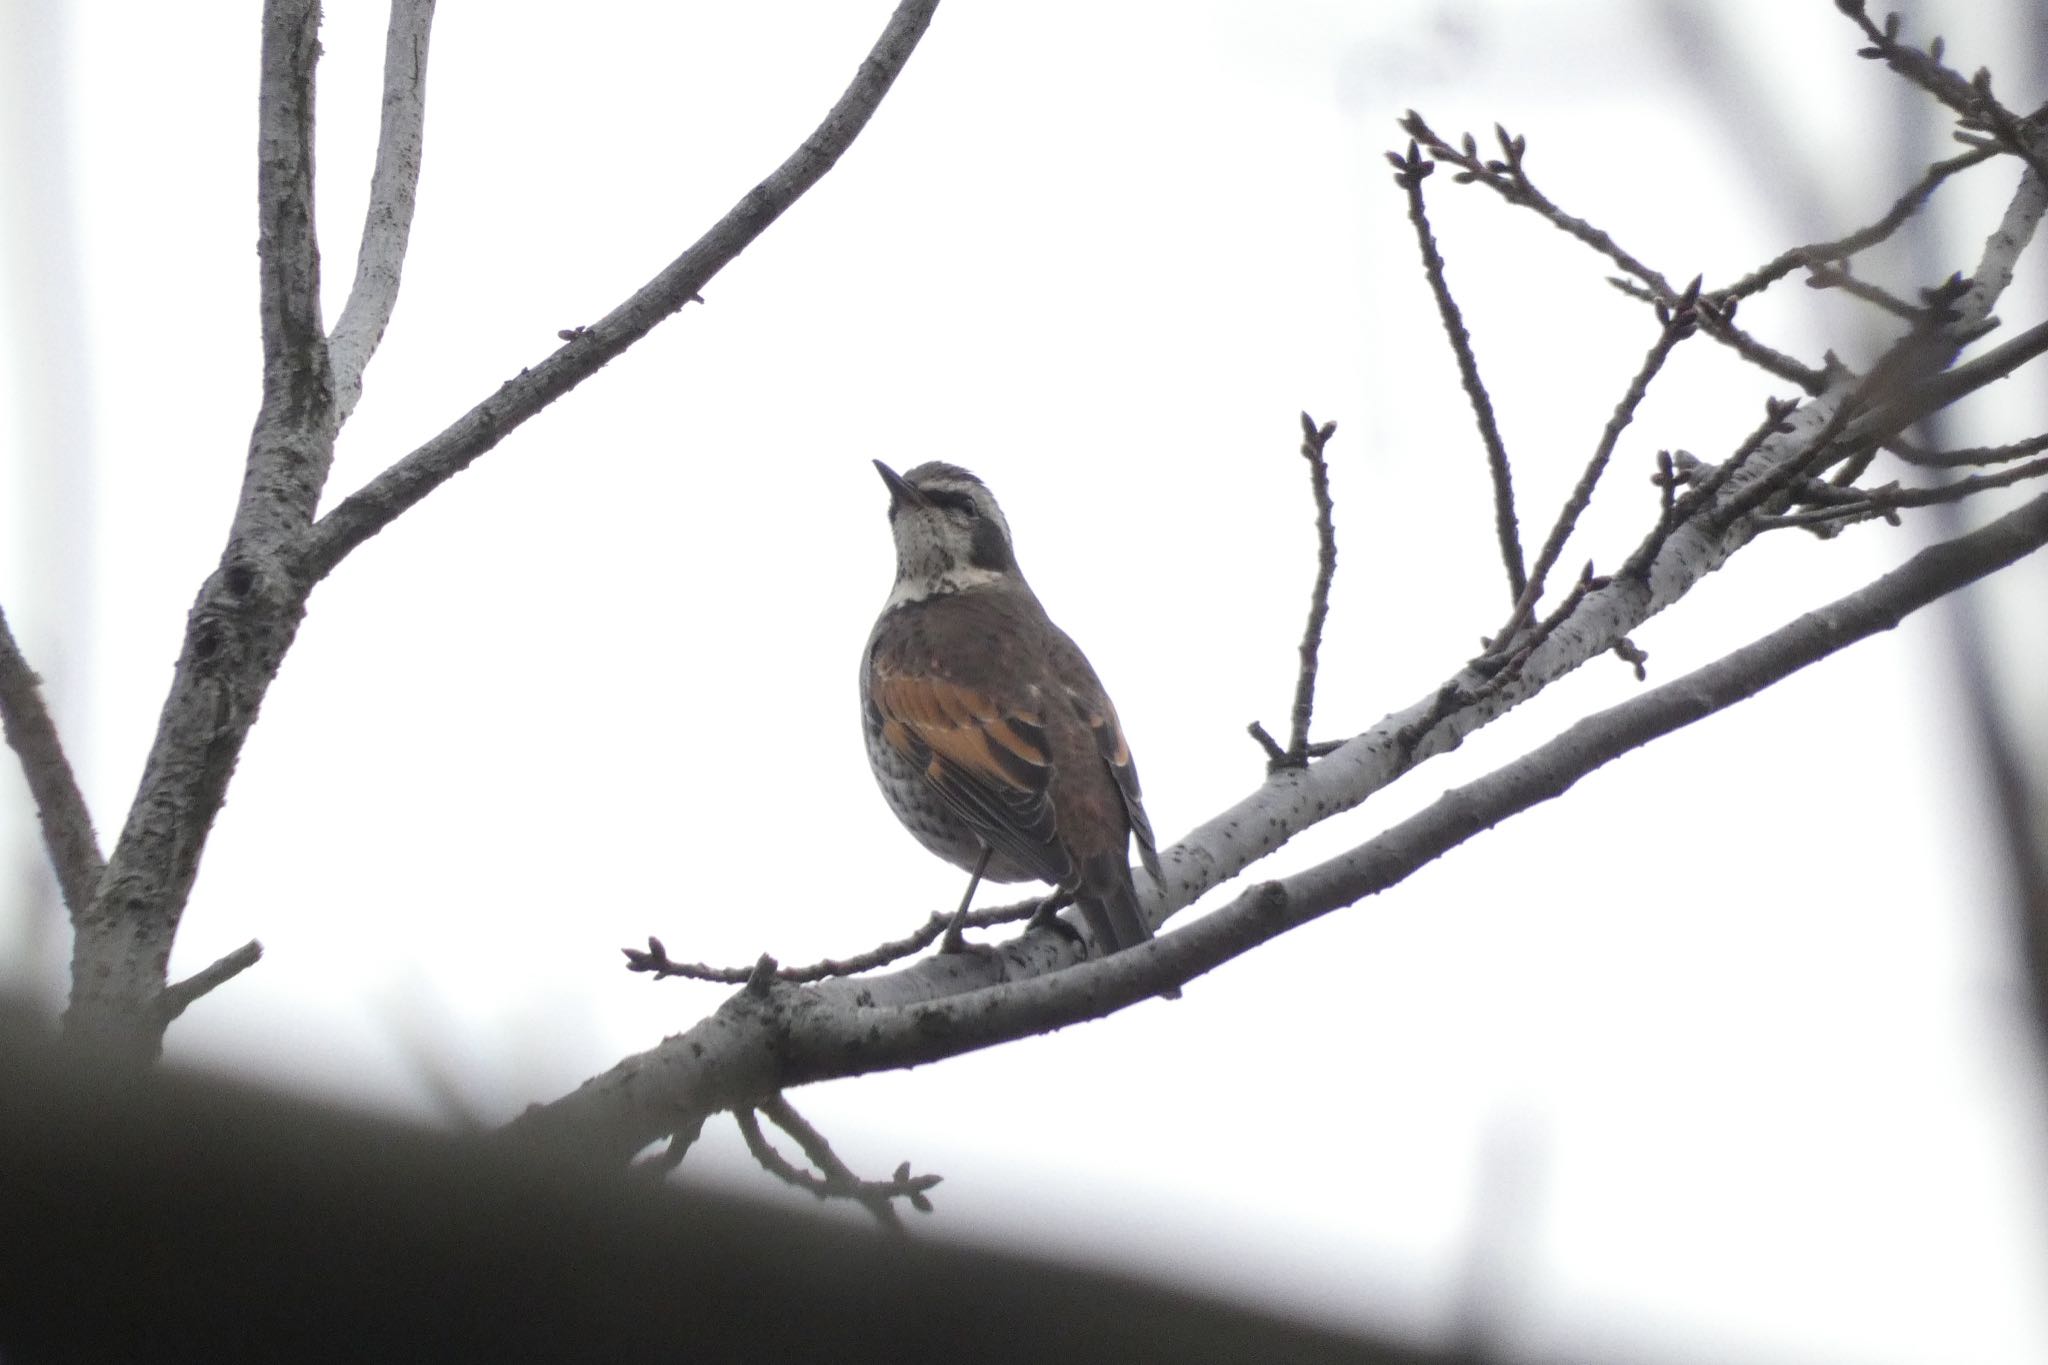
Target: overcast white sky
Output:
[{"x": 1720, "y": 1055}]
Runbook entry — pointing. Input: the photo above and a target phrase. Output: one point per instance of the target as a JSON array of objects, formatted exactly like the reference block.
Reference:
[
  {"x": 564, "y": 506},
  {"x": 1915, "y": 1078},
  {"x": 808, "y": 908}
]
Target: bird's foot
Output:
[{"x": 1047, "y": 916}]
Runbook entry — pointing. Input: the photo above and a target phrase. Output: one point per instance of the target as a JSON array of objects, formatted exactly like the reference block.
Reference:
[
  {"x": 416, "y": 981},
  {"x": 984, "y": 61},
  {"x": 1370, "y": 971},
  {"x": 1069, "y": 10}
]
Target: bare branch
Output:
[
  {"x": 1866, "y": 503},
  {"x": 1314, "y": 440},
  {"x": 1678, "y": 325},
  {"x": 1507, "y": 178},
  {"x": 653, "y": 960},
  {"x": 1718, "y": 324},
  {"x": 249, "y": 608},
  {"x": 758, "y": 1045},
  {"x": 394, "y": 186},
  {"x": 1675, "y": 511},
  {"x": 178, "y": 998},
  {"x": 1409, "y": 173},
  {"x": 60, "y": 806},
  {"x": 1972, "y": 100},
  {"x": 1975, "y": 455},
  {"x": 1833, "y": 277},
  {"x": 836, "y": 1179},
  {"x": 373, "y": 507},
  {"x": 293, "y": 444},
  {"x": 1818, "y": 254}
]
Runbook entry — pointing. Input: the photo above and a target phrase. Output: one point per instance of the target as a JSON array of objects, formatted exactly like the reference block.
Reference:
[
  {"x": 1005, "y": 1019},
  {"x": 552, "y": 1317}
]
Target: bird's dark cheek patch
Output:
[{"x": 989, "y": 550}]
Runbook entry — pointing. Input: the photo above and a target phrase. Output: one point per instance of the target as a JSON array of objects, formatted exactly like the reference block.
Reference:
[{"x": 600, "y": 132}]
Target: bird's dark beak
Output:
[{"x": 900, "y": 492}]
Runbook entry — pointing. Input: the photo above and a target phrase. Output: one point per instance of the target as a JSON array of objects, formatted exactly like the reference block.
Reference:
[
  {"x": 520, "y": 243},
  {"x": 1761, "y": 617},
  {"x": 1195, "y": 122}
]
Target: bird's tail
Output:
[{"x": 1109, "y": 903}]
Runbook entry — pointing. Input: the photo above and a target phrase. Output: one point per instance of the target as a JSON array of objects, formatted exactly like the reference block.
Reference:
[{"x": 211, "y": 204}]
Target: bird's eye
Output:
[{"x": 957, "y": 502}]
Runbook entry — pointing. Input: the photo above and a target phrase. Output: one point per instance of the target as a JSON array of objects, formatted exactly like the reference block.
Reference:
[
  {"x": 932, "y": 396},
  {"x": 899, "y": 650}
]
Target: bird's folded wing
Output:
[
  {"x": 988, "y": 762},
  {"x": 1109, "y": 741}
]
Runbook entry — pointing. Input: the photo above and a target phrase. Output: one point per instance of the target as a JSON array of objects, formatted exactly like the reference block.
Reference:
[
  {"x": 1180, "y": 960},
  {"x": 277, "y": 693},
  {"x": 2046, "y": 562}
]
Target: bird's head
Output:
[{"x": 950, "y": 534}]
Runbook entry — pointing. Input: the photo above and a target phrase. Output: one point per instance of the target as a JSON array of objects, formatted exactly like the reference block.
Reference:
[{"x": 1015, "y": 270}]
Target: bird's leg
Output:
[{"x": 953, "y": 942}]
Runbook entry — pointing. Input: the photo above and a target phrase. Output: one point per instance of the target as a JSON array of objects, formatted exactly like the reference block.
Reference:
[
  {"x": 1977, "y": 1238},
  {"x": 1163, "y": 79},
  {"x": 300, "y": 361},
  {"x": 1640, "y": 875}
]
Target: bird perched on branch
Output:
[{"x": 989, "y": 733}]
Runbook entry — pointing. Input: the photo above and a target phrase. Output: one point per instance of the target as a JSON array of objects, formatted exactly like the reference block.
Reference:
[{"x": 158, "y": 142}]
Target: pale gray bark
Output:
[{"x": 248, "y": 610}]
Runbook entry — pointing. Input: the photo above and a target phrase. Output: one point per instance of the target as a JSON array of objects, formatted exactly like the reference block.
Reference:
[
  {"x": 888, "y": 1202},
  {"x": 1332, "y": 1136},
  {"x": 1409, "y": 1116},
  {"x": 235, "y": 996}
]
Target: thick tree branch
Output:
[
  {"x": 60, "y": 806},
  {"x": 763, "y": 1041},
  {"x": 394, "y": 186},
  {"x": 292, "y": 446},
  {"x": 373, "y": 507},
  {"x": 249, "y": 608}
]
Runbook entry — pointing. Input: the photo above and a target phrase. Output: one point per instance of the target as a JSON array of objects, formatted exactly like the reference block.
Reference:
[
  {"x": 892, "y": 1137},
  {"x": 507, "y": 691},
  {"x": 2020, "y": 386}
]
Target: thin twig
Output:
[
  {"x": 178, "y": 997},
  {"x": 1718, "y": 324},
  {"x": 833, "y": 1179},
  {"x": 1717, "y": 321},
  {"x": 675, "y": 1149},
  {"x": 1975, "y": 455},
  {"x": 1525, "y": 644},
  {"x": 1906, "y": 383},
  {"x": 1678, "y": 325},
  {"x": 1818, "y": 254},
  {"x": 1882, "y": 502},
  {"x": 1409, "y": 173},
  {"x": 1276, "y": 757},
  {"x": 1507, "y": 178},
  {"x": 1972, "y": 100},
  {"x": 394, "y": 187},
  {"x": 60, "y": 806},
  {"x": 653, "y": 960},
  {"x": 1676, "y": 511},
  {"x": 1314, "y": 441},
  {"x": 1821, "y": 276}
]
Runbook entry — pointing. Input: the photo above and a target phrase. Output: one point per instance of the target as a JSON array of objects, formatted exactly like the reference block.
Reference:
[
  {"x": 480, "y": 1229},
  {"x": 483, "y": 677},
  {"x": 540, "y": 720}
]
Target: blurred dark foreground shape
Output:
[{"x": 178, "y": 1217}]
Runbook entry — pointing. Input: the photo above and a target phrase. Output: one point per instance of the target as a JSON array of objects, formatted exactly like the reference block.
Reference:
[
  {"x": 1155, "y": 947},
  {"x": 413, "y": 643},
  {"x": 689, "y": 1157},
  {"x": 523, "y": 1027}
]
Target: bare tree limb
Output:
[
  {"x": 394, "y": 187},
  {"x": 835, "y": 1179},
  {"x": 1971, "y": 100},
  {"x": 1816, "y": 254},
  {"x": 1507, "y": 178},
  {"x": 178, "y": 998},
  {"x": 373, "y": 507},
  {"x": 293, "y": 444},
  {"x": 1866, "y": 503},
  {"x": 1315, "y": 439},
  {"x": 249, "y": 608},
  {"x": 1975, "y": 455},
  {"x": 60, "y": 806},
  {"x": 1409, "y": 173},
  {"x": 653, "y": 960},
  {"x": 762, "y": 1042},
  {"x": 1679, "y": 322},
  {"x": 1823, "y": 276}
]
